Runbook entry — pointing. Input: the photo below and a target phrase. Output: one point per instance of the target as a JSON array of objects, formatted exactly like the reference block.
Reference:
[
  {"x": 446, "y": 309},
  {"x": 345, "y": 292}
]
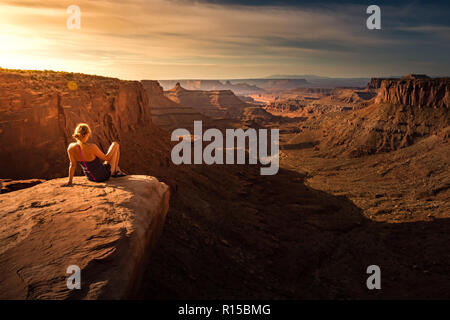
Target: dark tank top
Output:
[{"x": 95, "y": 170}]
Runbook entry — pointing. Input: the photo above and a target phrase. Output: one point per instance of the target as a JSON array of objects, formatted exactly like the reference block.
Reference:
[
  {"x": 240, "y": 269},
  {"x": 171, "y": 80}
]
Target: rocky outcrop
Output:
[
  {"x": 276, "y": 84},
  {"x": 314, "y": 107},
  {"x": 169, "y": 114},
  {"x": 106, "y": 229},
  {"x": 242, "y": 88},
  {"x": 318, "y": 91},
  {"x": 258, "y": 117},
  {"x": 39, "y": 111},
  {"x": 351, "y": 96},
  {"x": 402, "y": 113},
  {"x": 380, "y": 128},
  {"x": 193, "y": 84},
  {"x": 415, "y": 76},
  {"x": 421, "y": 92},
  {"x": 216, "y": 104},
  {"x": 237, "y": 88},
  {"x": 286, "y": 106},
  {"x": 375, "y": 83},
  {"x": 155, "y": 93}
]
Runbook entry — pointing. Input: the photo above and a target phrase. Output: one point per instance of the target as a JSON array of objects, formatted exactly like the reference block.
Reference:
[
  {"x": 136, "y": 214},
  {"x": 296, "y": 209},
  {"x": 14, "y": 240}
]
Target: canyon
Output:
[
  {"x": 208, "y": 85},
  {"x": 169, "y": 114},
  {"x": 401, "y": 113},
  {"x": 238, "y": 86},
  {"x": 363, "y": 180},
  {"x": 266, "y": 85},
  {"x": 216, "y": 104},
  {"x": 39, "y": 113},
  {"x": 385, "y": 166}
]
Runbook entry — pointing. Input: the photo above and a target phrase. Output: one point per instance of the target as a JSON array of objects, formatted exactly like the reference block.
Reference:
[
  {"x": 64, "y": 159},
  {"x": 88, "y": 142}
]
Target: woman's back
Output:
[
  {"x": 95, "y": 164},
  {"x": 87, "y": 151},
  {"x": 92, "y": 166}
]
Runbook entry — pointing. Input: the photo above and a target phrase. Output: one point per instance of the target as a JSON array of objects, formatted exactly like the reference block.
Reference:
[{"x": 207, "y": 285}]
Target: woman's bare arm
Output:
[
  {"x": 72, "y": 166},
  {"x": 100, "y": 154}
]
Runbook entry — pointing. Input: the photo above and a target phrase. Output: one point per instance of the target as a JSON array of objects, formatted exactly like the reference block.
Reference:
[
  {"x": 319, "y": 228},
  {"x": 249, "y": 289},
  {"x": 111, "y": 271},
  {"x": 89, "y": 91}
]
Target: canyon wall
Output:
[
  {"x": 275, "y": 84},
  {"x": 404, "y": 112},
  {"x": 39, "y": 111},
  {"x": 415, "y": 92},
  {"x": 286, "y": 106},
  {"x": 375, "y": 83},
  {"x": 237, "y": 88},
  {"x": 321, "y": 91},
  {"x": 155, "y": 93},
  {"x": 216, "y": 104},
  {"x": 169, "y": 114},
  {"x": 193, "y": 84}
]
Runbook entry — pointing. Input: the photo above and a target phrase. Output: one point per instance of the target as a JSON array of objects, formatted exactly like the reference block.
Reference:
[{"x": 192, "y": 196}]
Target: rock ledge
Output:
[{"x": 107, "y": 229}]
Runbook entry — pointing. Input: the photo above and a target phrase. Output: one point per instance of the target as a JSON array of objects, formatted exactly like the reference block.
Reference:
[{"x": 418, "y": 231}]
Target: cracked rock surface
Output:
[{"x": 107, "y": 229}]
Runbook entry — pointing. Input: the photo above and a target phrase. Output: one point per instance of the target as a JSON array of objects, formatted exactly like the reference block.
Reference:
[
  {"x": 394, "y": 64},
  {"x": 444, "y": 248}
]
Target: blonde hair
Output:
[{"x": 81, "y": 131}]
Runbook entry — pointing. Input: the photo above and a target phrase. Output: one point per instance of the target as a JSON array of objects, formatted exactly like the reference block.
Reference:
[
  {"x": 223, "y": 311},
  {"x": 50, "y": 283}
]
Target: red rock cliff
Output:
[
  {"x": 216, "y": 104},
  {"x": 156, "y": 95},
  {"x": 168, "y": 114},
  {"x": 39, "y": 111},
  {"x": 415, "y": 92}
]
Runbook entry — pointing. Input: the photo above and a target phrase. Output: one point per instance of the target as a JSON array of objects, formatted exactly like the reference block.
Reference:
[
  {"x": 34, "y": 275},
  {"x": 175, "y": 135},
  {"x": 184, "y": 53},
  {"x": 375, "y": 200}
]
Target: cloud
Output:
[
  {"x": 315, "y": 3},
  {"x": 213, "y": 39}
]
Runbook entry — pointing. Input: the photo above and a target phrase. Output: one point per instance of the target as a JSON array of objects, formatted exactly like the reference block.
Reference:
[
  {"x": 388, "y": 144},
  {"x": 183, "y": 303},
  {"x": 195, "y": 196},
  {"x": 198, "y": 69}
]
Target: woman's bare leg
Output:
[{"x": 114, "y": 152}]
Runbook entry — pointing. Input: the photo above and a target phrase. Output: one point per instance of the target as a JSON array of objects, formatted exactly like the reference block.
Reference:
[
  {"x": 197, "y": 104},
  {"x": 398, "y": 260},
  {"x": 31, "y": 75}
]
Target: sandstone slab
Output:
[{"x": 107, "y": 229}]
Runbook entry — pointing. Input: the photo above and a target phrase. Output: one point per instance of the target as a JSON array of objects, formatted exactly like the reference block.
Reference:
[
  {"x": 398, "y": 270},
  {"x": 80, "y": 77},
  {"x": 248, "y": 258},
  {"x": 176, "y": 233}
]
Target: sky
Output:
[{"x": 218, "y": 39}]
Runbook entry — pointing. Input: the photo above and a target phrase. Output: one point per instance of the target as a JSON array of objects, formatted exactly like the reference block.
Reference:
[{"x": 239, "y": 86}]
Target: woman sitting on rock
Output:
[{"x": 90, "y": 157}]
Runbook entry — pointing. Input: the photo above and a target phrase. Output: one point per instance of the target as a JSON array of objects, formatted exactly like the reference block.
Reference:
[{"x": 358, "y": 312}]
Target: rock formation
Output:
[
  {"x": 39, "y": 111},
  {"x": 275, "y": 84},
  {"x": 321, "y": 91},
  {"x": 378, "y": 128},
  {"x": 286, "y": 106},
  {"x": 424, "y": 92},
  {"x": 415, "y": 76},
  {"x": 193, "y": 84},
  {"x": 106, "y": 229},
  {"x": 237, "y": 88},
  {"x": 169, "y": 114},
  {"x": 312, "y": 102},
  {"x": 217, "y": 104},
  {"x": 351, "y": 96},
  {"x": 375, "y": 83},
  {"x": 403, "y": 112},
  {"x": 383, "y": 128}
]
